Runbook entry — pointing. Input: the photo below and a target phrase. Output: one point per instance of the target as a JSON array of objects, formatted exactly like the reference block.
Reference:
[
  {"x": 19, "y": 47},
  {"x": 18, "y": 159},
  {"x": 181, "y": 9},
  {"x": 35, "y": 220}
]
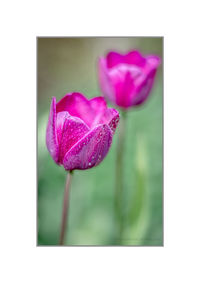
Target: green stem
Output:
[
  {"x": 65, "y": 209},
  {"x": 119, "y": 178}
]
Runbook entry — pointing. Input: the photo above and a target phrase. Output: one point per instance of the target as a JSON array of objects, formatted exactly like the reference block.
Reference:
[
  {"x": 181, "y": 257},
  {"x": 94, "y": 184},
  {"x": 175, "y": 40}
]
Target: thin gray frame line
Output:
[{"x": 100, "y": 36}]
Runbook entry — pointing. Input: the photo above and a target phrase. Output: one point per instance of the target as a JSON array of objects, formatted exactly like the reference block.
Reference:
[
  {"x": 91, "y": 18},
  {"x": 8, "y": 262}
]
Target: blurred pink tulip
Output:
[
  {"x": 79, "y": 131},
  {"x": 126, "y": 80}
]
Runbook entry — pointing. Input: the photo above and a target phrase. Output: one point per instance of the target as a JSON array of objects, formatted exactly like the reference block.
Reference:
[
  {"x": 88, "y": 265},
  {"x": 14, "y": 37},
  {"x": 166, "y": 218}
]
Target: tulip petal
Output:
[
  {"x": 77, "y": 105},
  {"x": 104, "y": 115},
  {"x": 152, "y": 63},
  {"x": 60, "y": 120},
  {"x": 122, "y": 81},
  {"x": 98, "y": 106},
  {"x": 144, "y": 83},
  {"x": 113, "y": 59},
  {"x": 51, "y": 136},
  {"x": 105, "y": 82},
  {"x": 90, "y": 150},
  {"x": 135, "y": 58},
  {"x": 111, "y": 118},
  {"x": 128, "y": 88},
  {"x": 73, "y": 130},
  {"x": 143, "y": 90}
]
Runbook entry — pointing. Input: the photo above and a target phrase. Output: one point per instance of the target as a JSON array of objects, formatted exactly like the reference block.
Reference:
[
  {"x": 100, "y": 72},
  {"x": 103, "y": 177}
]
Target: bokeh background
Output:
[{"x": 70, "y": 64}]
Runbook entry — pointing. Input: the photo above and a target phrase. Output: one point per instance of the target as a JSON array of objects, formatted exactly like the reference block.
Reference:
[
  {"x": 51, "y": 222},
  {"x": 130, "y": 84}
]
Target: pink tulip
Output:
[
  {"x": 126, "y": 80},
  {"x": 79, "y": 131}
]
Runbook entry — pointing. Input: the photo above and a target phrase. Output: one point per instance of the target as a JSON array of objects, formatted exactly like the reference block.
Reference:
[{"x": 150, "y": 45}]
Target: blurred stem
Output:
[
  {"x": 65, "y": 208},
  {"x": 119, "y": 178}
]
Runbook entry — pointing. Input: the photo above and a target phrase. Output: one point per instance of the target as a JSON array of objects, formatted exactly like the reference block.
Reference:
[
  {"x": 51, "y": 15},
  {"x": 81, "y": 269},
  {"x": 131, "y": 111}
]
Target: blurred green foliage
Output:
[{"x": 70, "y": 64}]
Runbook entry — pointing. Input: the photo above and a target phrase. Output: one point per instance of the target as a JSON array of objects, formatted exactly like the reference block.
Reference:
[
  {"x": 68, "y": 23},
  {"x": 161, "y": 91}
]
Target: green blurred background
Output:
[{"x": 70, "y": 64}]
